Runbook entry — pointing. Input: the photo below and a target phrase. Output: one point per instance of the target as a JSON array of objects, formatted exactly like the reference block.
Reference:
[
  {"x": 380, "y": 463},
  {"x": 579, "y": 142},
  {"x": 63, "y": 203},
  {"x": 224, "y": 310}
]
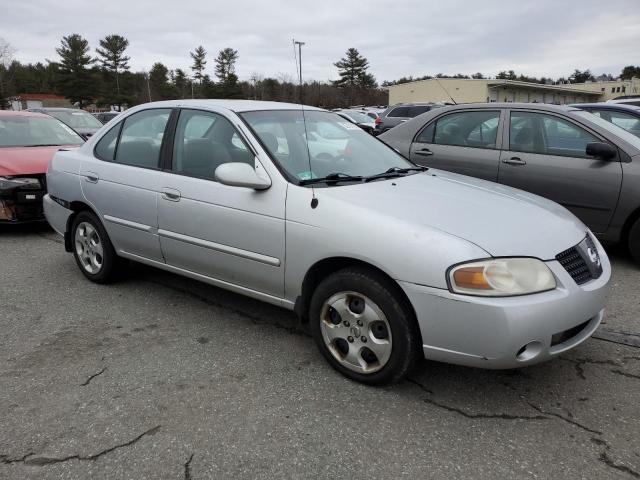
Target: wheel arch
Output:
[
  {"x": 626, "y": 228},
  {"x": 76, "y": 207},
  {"x": 325, "y": 267}
]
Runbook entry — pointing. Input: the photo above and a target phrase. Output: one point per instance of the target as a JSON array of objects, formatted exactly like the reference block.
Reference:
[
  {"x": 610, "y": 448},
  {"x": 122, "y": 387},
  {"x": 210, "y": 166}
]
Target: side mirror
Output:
[
  {"x": 237, "y": 174},
  {"x": 601, "y": 150}
]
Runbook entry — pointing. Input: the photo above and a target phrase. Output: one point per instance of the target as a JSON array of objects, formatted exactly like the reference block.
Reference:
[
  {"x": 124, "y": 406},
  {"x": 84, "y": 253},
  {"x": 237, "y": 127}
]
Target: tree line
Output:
[
  {"x": 578, "y": 76},
  {"x": 103, "y": 77}
]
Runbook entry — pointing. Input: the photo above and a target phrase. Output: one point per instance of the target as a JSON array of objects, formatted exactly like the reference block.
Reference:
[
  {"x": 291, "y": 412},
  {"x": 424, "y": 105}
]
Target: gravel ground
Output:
[{"x": 161, "y": 377}]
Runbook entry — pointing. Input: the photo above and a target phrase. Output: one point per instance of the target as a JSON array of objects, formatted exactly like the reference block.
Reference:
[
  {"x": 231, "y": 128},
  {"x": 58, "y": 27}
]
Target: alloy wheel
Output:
[{"x": 89, "y": 247}]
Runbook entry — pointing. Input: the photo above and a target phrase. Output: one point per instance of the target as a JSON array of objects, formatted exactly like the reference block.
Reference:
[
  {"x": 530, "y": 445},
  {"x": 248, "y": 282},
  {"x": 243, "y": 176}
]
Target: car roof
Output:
[
  {"x": 231, "y": 105},
  {"x": 21, "y": 113},
  {"x": 608, "y": 106},
  {"x": 549, "y": 107}
]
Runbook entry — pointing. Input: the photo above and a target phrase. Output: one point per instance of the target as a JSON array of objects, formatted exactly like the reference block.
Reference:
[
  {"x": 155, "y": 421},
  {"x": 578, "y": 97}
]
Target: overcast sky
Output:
[{"x": 399, "y": 37}]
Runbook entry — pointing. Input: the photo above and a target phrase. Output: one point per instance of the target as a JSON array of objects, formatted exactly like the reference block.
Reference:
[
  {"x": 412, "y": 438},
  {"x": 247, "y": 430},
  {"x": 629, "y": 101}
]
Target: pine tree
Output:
[
  {"x": 226, "y": 64},
  {"x": 199, "y": 62},
  {"x": 353, "y": 71},
  {"x": 77, "y": 82},
  {"x": 181, "y": 82},
  {"x": 112, "y": 56}
]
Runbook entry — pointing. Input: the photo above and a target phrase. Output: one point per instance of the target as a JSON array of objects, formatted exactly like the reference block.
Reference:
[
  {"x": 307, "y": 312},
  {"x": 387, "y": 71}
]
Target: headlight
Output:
[{"x": 501, "y": 277}]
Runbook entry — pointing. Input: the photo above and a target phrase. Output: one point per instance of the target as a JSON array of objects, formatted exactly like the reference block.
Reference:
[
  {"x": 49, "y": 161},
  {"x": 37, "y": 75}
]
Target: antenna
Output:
[
  {"x": 445, "y": 91},
  {"x": 314, "y": 200}
]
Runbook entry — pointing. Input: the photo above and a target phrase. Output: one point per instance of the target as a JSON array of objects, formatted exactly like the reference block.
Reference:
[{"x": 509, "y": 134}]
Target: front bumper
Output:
[
  {"x": 22, "y": 202},
  {"x": 509, "y": 332}
]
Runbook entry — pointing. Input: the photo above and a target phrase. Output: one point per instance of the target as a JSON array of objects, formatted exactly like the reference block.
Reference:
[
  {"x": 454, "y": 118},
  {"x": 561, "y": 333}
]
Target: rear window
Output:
[
  {"x": 418, "y": 110},
  {"x": 399, "y": 112}
]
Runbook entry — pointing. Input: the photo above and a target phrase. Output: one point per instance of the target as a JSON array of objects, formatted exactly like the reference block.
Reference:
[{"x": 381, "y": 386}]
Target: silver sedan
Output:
[{"x": 386, "y": 261}]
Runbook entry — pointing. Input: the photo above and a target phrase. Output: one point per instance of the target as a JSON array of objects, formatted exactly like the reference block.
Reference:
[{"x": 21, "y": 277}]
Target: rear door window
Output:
[
  {"x": 467, "y": 129},
  {"x": 141, "y": 138}
]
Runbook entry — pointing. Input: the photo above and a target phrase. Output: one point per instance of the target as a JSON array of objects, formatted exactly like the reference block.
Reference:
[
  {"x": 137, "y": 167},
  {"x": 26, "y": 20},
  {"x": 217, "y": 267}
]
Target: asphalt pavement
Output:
[{"x": 161, "y": 377}]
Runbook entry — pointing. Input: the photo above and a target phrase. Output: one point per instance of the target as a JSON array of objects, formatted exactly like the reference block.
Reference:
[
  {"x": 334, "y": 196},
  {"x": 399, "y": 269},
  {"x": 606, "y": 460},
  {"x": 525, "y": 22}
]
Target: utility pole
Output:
[
  {"x": 300, "y": 44},
  {"x": 148, "y": 86}
]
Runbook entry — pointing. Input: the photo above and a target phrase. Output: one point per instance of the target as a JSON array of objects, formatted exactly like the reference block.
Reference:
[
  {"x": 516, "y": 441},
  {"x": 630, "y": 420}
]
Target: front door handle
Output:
[
  {"x": 171, "y": 194},
  {"x": 91, "y": 177},
  {"x": 425, "y": 152},
  {"x": 514, "y": 161}
]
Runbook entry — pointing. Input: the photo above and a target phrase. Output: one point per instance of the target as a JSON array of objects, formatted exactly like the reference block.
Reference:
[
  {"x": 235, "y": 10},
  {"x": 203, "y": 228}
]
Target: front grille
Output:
[
  {"x": 581, "y": 261},
  {"x": 575, "y": 265}
]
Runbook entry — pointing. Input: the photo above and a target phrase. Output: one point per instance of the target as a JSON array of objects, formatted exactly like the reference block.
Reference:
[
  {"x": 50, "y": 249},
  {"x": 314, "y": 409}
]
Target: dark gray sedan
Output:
[{"x": 583, "y": 162}]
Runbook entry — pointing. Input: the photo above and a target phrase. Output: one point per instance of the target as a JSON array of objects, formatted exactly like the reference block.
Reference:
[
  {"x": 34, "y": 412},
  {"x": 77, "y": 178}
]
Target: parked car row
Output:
[{"x": 386, "y": 261}]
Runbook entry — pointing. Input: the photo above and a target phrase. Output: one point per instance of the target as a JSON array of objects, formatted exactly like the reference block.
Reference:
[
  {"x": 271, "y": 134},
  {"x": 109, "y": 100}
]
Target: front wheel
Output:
[
  {"x": 93, "y": 250},
  {"x": 363, "y": 327}
]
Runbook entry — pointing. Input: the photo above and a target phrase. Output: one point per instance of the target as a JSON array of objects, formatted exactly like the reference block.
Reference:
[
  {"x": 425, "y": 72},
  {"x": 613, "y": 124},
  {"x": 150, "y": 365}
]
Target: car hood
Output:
[
  {"x": 25, "y": 160},
  {"x": 501, "y": 220}
]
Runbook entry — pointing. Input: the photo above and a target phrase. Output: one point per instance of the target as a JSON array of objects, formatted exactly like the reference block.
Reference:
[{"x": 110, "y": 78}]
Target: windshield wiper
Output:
[
  {"x": 44, "y": 145},
  {"x": 332, "y": 178},
  {"x": 395, "y": 172}
]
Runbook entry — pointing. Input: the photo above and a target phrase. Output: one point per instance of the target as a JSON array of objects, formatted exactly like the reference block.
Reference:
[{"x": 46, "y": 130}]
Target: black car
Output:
[{"x": 623, "y": 115}]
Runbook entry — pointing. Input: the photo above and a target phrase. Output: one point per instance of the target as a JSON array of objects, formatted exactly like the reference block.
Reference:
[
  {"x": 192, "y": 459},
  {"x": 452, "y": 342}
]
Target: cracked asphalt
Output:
[{"x": 161, "y": 377}]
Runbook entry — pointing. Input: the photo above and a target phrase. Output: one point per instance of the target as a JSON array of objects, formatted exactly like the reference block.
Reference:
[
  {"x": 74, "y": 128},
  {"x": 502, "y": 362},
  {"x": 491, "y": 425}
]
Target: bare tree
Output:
[{"x": 6, "y": 58}]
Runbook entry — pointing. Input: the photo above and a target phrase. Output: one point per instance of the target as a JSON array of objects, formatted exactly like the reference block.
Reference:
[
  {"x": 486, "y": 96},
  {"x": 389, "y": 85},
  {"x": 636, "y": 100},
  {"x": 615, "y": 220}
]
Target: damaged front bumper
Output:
[{"x": 21, "y": 198}]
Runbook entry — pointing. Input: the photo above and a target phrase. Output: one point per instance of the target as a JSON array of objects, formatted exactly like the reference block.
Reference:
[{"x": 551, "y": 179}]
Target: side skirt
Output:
[{"x": 281, "y": 302}]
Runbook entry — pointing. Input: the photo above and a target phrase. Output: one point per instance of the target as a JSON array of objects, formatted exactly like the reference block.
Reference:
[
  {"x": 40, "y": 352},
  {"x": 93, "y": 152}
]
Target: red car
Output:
[{"x": 27, "y": 143}]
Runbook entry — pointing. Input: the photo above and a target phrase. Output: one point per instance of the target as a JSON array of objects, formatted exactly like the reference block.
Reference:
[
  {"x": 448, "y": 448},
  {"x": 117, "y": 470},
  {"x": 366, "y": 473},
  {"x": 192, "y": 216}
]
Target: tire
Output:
[
  {"x": 93, "y": 250},
  {"x": 368, "y": 306},
  {"x": 633, "y": 241}
]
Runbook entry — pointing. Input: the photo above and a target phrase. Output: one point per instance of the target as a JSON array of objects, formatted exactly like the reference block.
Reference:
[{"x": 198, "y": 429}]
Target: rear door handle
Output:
[
  {"x": 425, "y": 152},
  {"x": 514, "y": 161},
  {"x": 91, "y": 177},
  {"x": 171, "y": 194}
]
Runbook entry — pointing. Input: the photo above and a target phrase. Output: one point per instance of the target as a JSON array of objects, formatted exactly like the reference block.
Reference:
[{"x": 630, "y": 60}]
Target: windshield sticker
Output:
[
  {"x": 349, "y": 126},
  {"x": 306, "y": 175}
]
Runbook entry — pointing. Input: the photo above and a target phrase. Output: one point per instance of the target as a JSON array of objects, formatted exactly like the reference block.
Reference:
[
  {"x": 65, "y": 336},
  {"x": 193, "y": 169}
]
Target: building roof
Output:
[
  {"x": 539, "y": 86},
  {"x": 40, "y": 96},
  {"x": 496, "y": 83}
]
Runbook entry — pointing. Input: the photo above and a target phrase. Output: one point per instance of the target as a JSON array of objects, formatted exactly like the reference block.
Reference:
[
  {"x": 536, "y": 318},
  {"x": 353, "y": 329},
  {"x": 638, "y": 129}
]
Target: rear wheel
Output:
[
  {"x": 363, "y": 327},
  {"x": 634, "y": 240},
  {"x": 93, "y": 250}
]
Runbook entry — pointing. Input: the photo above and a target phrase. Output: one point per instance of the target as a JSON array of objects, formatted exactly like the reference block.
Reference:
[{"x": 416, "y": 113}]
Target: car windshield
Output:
[
  {"x": 27, "y": 131},
  {"x": 76, "y": 118},
  {"x": 358, "y": 116},
  {"x": 334, "y": 146},
  {"x": 620, "y": 132}
]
